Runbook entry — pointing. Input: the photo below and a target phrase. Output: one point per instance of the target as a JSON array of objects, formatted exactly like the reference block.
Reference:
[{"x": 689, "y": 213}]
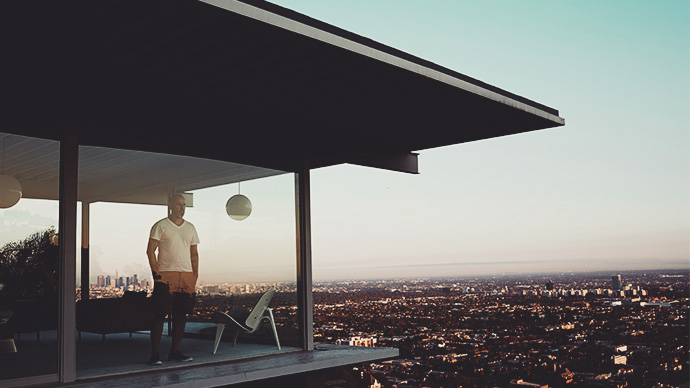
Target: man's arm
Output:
[
  {"x": 151, "y": 253},
  {"x": 195, "y": 260}
]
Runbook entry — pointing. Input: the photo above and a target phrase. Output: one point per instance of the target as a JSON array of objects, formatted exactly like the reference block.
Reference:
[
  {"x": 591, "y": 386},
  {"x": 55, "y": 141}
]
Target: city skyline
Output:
[
  {"x": 603, "y": 276},
  {"x": 502, "y": 331}
]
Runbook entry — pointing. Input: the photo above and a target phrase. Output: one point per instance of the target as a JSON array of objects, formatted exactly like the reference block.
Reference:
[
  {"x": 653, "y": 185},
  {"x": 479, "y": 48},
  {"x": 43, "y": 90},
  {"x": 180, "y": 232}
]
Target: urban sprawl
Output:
[{"x": 555, "y": 330}]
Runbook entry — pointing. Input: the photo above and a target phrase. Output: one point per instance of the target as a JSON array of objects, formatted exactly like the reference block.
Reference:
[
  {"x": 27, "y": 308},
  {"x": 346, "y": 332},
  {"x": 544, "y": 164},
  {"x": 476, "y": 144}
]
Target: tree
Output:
[{"x": 29, "y": 267}]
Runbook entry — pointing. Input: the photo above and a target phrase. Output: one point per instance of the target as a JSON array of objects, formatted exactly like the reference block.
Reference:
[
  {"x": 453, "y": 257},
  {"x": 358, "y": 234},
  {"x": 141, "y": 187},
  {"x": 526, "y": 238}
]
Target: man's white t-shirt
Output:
[{"x": 174, "y": 245}]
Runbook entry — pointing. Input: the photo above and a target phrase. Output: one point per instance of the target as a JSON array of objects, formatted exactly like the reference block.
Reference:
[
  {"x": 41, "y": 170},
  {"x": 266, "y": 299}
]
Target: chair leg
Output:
[
  {"x": 273, "y": 324},
  {"x": 234, "y": 340},
  {"x": 219, "y": 334}
]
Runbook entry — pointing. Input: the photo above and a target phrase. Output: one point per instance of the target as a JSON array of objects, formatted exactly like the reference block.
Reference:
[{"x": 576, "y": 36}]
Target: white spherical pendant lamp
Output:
[
  {"x": 10, "y": 191},
  {"x": 238, "y": 207}
]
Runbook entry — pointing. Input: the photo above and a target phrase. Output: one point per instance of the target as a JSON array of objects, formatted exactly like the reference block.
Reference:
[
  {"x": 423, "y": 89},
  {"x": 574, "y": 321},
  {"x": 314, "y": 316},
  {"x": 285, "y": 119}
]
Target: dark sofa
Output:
[
  {"x": 29, "y": 316},
  {"x": 132, "y": 312}
]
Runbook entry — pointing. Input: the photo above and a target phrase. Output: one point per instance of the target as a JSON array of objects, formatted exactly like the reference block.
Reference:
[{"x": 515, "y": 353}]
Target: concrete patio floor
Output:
[{"x": 123, "y": 361}]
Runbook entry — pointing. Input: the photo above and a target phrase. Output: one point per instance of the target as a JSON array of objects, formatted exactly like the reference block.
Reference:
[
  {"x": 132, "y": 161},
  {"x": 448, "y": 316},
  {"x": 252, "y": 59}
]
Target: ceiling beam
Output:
[{"x": 400, "y": 162}]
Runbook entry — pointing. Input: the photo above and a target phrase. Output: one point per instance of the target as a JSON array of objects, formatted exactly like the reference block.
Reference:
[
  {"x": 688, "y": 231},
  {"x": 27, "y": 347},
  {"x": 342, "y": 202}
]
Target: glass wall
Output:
[
  {"x": 28, "y": 256},
  {"x": 123, "y": 194}
]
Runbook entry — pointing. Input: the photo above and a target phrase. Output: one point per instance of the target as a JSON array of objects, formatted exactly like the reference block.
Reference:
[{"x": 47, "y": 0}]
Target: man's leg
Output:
[
  {"x": 182, "y": 304},
  {"x": 178, "y": 325},
  {"x": 160, "y": 304},
  {"x": 157, "y": 333}
]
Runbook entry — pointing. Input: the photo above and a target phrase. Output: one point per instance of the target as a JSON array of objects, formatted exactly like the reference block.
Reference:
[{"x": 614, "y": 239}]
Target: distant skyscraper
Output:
[
  {"x": 135, "y": 280},
  {"x": 108, "y": 281},
  {"x": 616, "y": 282},
  {"x": 101, "y": 281},
  {"x": 549, "y": 285}
]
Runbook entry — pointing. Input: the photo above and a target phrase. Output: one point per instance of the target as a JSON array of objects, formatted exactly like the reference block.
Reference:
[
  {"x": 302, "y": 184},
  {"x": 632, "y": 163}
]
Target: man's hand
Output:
[{"x": 153, "y": 262}]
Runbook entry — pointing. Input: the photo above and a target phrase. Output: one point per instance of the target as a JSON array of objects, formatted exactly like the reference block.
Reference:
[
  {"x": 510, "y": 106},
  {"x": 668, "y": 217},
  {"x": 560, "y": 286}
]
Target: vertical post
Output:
[
  {"x": 85, "y": 260},
  {"x": 67, "y": 241},
  {"x": 171, "y": 192},
  {"x": 305, "y": 305}
]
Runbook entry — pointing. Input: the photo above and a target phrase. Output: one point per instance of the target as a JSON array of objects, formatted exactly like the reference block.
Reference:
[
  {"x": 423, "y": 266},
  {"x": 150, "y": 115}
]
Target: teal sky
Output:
[{"x": 610, "y": 190}]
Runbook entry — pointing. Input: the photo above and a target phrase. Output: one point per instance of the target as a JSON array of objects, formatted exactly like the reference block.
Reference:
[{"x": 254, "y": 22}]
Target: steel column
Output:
[
  {"x": 67, "y": 241},
  {"x": 85, "y": 259},
  {"x": 305, "y": 305}
]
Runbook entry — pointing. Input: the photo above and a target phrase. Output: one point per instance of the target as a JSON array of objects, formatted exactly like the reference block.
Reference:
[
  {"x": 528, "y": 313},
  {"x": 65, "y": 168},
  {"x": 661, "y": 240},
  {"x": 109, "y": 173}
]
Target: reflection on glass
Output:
[
  {"x": 126, "y": 193},
  {"x": 29, "y": 260}
]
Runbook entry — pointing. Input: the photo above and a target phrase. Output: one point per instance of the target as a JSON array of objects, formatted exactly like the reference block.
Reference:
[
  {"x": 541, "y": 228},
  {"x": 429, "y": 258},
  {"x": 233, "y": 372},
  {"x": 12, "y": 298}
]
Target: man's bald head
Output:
[
  {"x": 174, "y": 198},
  {"x": 176, "y": 206}
]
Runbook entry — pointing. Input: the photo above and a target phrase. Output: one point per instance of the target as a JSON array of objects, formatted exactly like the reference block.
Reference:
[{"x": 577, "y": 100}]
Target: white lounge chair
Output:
[{"x": 241, "y": 319}]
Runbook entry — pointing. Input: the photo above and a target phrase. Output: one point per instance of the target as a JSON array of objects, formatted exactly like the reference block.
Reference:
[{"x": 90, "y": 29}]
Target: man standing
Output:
[{"x": 175, "y": 272}]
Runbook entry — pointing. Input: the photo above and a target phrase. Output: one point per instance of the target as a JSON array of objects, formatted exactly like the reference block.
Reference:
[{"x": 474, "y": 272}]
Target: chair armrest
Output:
[{"x": 220, "y": 317}]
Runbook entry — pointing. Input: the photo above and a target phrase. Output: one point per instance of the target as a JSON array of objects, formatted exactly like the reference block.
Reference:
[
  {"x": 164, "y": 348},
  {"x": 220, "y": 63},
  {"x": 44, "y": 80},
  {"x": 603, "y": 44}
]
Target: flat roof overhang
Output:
[{"x": 239, "y": 81}]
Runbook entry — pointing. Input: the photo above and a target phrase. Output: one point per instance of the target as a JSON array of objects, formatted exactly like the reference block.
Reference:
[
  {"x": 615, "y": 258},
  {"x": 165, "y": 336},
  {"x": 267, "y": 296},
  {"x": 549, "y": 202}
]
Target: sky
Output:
[{"x": 608, "y": 191}]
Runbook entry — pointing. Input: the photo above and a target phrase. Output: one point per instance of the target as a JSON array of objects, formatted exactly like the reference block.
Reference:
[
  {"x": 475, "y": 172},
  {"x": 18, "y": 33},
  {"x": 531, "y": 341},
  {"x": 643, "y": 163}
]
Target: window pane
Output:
[
  {"x": 28, "y": 256},
  {"x": 127, "y": 193}
]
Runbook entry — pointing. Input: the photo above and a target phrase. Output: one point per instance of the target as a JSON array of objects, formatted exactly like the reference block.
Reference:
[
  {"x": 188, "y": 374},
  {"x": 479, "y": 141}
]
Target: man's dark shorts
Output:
[{"x": 182, "y": 303}]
